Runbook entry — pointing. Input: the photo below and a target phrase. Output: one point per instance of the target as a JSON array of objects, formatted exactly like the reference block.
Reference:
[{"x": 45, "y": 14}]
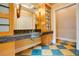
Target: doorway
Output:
[{"x": 66, "y": 23}]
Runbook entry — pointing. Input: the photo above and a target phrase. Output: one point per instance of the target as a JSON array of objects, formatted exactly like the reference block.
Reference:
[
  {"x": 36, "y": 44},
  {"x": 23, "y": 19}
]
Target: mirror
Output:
[
  {"x": 4, "y": 25},
  {"x": 4, "y": 8}
]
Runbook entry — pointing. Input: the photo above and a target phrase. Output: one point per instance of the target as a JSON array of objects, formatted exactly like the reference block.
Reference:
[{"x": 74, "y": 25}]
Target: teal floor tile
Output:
[
  {"x": 56, "y": 52},
  {"x": 36, "y": 52}
]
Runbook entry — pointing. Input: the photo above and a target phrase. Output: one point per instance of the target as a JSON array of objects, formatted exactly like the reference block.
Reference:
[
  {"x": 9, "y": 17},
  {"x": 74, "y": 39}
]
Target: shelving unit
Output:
[
  {"x": 48, "y": 17},
  {"x": 44, "y": 18},
  {"x": 44, "y": 23}
]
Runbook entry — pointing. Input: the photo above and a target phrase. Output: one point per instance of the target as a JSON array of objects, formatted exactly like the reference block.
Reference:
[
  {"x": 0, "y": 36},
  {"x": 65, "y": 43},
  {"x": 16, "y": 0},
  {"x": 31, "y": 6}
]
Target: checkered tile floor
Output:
[{"x": 62, "y": 48}]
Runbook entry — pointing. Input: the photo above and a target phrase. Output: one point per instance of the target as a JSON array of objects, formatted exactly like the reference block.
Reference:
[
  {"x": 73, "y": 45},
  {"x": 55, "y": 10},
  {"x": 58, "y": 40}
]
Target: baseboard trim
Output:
[{"x": 66, "y": 39}]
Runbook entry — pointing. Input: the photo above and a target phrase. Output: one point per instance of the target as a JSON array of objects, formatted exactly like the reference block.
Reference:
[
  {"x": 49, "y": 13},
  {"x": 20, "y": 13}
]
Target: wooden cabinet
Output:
[
  {"x": 7, "y": 49},
  {"x": 46, "y": 39},
  {"x": 6, "y": 19},
  {"x": 37, "y": 40}
]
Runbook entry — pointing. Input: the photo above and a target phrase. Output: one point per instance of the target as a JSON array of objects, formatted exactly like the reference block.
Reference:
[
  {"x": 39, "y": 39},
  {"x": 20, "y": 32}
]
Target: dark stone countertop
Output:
[
  {"x": 32, "y": 35},
  {"x": 19, "y": 37}
]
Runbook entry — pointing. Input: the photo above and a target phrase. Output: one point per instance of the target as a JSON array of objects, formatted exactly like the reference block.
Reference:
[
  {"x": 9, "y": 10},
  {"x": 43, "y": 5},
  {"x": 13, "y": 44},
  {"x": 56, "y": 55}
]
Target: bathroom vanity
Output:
[{"x": 16, "y": 43}]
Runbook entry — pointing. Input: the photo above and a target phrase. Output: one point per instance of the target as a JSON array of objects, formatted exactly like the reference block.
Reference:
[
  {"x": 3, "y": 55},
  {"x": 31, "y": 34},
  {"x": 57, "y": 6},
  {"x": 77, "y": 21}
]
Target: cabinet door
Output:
[{"x": 6, "y": 19}]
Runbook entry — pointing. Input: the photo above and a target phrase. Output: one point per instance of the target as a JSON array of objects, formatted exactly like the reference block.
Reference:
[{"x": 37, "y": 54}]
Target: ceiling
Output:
[{"x": 32, "y": 6}]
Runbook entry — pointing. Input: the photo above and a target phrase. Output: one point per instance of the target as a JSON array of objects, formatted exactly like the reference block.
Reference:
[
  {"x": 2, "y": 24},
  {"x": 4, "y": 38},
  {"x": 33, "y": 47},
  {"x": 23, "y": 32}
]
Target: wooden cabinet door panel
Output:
[{"x": 7, "y": 49}]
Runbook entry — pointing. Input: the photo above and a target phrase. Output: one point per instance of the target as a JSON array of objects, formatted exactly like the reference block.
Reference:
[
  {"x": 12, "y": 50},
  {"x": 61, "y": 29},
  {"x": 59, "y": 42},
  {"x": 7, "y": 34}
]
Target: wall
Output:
[
  {"x": 66, "y": 22},
  {"x": 77, "y": 30},
  {"x": 25, "y": 21}
]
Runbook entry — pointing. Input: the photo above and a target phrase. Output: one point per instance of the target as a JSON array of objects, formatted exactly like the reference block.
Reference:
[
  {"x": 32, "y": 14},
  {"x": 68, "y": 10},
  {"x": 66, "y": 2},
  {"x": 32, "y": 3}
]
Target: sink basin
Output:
[{"x": 35, "y": 34}]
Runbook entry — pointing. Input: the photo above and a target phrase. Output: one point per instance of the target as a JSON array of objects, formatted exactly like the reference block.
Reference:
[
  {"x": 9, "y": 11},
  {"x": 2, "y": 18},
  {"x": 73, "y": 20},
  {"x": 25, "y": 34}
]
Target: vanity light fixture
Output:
[{"x": 18, "y": 9}]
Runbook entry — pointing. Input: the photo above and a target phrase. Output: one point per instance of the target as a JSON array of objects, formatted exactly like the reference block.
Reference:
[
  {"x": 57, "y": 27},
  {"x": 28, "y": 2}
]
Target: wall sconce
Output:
[{"x": 18, "y": 9}]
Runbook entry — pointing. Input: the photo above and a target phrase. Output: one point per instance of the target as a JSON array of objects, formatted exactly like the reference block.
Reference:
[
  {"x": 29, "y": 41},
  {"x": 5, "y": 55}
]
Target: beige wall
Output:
[
  {"x": 65, "y": 22},
  {"x": 55, "y": 7},
  {"x": 25, "y": 21}
]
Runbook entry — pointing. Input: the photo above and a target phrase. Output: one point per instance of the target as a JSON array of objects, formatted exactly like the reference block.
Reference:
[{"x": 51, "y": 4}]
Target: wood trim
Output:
[
  {"x": 3, "y": 15},
  {"x": 11, "y": 17}
]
